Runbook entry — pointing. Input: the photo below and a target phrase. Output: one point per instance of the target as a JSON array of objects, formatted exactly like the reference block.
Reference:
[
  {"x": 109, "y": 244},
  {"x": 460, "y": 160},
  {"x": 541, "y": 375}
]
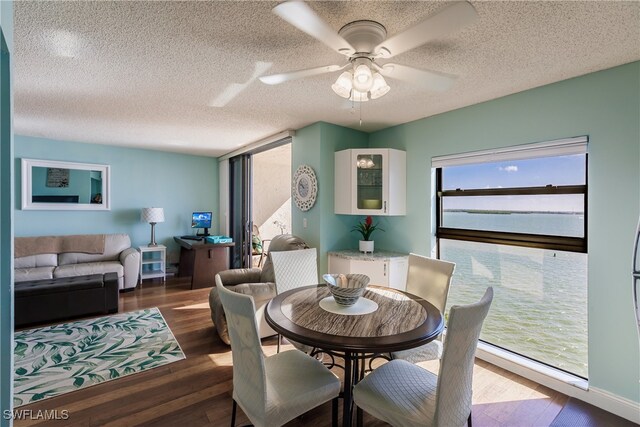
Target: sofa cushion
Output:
[
  {"x": 89, "y": 268},
  {"x": 31, "y": 261},
  {"x": 114, "y": 244},
  {"x": 33, "y": 273}
]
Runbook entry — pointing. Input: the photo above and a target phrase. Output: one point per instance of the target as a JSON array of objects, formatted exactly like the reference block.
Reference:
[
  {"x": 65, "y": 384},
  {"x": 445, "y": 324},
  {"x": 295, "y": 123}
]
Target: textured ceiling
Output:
[{"x": 182, "y": 76}]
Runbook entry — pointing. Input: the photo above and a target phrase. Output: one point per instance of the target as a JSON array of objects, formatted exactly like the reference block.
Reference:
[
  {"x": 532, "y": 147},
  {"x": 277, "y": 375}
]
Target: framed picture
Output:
[{"x": 57, "y": 178}]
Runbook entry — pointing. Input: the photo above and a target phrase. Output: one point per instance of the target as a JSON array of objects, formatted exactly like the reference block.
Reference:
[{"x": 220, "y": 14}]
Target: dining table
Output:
[{"x": 382, "y": 320}]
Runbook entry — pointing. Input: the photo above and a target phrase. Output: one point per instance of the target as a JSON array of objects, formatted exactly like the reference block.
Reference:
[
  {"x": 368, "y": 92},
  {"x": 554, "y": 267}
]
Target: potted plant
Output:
[{"x": 366, "y": 228}]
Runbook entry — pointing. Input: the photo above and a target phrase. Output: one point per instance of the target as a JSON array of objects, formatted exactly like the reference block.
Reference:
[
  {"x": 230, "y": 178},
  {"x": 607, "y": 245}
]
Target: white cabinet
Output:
[
  {"x": 153, "y": 262},
  {"x": 370, "y": 182},
  {"x": 383, "y": 268}
]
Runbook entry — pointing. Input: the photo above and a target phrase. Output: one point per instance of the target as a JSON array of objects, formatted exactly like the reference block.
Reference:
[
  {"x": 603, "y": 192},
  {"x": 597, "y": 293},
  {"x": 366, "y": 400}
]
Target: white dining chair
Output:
[
  {"x": 276, "y": 389},
  {"x": 404, "y": 394},
  {"x": 428, "y": 278},
  {"x": 294, "y": 269}
]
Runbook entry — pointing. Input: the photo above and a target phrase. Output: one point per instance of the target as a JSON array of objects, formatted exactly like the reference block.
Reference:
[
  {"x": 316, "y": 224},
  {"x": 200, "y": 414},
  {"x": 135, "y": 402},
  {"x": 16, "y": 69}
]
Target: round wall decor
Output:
[{"x": 304, "y": 187}]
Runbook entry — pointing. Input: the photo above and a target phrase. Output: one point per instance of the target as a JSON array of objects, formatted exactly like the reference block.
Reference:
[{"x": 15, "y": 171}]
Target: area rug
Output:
[{"x": 57, "y": 359}]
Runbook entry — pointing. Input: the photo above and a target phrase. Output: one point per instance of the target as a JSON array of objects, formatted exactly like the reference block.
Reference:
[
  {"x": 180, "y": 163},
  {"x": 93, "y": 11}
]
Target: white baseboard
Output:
[
  {"x": 560, "y": 381},
  {"x": 615, "y": 404}
]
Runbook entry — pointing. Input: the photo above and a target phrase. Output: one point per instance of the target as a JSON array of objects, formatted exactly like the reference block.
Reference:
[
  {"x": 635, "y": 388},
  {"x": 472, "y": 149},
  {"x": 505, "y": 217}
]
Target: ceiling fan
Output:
[{"x": 364, "y": 43}]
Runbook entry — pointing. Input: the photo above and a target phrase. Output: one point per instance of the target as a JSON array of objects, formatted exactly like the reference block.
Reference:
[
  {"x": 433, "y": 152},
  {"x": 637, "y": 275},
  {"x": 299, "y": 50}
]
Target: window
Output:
[{"x": 515, "y": 219}]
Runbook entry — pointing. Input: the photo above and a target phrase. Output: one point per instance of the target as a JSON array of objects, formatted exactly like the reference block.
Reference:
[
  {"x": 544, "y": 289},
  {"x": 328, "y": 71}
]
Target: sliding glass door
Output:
[
  {"x": 260, "y": 201},
  {"x": 240, "y": 210}
]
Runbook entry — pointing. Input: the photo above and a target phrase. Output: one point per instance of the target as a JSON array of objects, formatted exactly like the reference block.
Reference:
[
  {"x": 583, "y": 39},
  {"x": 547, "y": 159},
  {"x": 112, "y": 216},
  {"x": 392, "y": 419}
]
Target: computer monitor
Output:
[{"x": 201, "y": 220}]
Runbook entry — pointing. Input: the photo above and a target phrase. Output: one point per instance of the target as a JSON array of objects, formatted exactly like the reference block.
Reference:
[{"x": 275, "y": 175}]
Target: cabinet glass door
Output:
[{"x": 369, "y": 181}]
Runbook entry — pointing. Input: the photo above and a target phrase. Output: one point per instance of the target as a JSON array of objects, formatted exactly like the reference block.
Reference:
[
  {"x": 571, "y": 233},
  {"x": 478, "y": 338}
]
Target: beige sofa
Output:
[{"x": 52, "y": 257}]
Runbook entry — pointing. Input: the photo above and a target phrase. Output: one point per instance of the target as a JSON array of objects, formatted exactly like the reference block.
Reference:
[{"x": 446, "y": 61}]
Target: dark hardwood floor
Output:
[{"x": 197, "y": 391}]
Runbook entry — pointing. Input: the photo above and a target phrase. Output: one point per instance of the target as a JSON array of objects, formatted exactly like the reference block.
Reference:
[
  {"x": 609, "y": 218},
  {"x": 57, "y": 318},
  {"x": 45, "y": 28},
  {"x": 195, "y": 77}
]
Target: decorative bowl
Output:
[
  {"x": 346, "y": 289},
  {"x": 371, "y": 204}
]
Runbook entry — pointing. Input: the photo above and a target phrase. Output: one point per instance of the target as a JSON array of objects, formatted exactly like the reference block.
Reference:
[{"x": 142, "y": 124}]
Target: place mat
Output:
[{"x": 362, "y": 306}]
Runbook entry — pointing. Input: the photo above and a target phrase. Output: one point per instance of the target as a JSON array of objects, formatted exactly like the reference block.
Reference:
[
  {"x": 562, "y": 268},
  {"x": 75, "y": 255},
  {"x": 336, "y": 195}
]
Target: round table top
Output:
[{"x": 402, "y": 321}]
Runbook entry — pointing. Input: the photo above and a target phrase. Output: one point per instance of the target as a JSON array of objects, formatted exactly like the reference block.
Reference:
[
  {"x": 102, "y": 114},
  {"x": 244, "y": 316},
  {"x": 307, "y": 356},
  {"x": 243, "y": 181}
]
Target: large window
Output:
[{"x": 516, "y": 220}]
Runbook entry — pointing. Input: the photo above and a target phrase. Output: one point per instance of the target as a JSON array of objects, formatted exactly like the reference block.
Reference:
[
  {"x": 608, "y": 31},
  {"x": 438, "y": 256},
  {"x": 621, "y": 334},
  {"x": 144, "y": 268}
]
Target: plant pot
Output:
[{"x": 366, "y": 246}]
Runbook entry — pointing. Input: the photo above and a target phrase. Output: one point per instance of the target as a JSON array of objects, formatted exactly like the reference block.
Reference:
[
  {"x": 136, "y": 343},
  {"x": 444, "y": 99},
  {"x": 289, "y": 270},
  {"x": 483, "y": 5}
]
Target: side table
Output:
[
  {"x": 202, "y": 261},
  {"x": 153, "y": 262}
]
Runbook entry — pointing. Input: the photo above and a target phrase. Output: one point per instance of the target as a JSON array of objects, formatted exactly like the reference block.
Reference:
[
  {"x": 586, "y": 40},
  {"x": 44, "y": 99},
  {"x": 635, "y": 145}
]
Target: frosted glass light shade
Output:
[
  {"x": 379, "y": 87},
  {"x": 152, "y": 215},
  {"x": 342, "y": 87},
  {"x": 362, "y": 78},
  {"x": 358, "y": 96}
]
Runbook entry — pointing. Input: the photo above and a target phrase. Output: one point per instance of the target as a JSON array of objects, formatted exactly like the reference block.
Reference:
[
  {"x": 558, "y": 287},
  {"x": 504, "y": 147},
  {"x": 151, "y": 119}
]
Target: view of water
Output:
[{"x": 540, "y": 304}]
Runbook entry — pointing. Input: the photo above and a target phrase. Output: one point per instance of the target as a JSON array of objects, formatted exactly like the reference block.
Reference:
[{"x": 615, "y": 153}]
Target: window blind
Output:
[{"x": 559, "y": 147}]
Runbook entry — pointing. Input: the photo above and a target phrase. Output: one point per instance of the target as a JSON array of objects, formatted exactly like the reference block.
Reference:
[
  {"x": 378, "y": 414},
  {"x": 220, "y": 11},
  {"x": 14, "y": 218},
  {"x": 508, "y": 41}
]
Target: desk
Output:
[
  {"x": 202, "y": 261},
  {"x": 402, "y": 321}
]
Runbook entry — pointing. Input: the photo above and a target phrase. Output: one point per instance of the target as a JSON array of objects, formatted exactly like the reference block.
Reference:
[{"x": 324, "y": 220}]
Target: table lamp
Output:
[{"x": 152, "y": 216}]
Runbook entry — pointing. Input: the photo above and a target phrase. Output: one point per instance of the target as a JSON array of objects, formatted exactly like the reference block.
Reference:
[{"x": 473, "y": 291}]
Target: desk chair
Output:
[
  {"x": 271, "y": 390},
  {"x": 403, "y": 394}
]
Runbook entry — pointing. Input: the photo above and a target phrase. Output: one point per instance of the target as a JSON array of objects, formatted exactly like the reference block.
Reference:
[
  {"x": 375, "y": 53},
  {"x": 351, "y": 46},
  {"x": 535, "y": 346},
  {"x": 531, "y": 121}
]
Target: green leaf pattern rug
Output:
[{"x": 57, "y": 359}]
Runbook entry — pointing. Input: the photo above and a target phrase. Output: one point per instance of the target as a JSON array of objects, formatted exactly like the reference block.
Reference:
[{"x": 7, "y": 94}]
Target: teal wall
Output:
[
  {"x": 179, "y": 183},
  {"x": 314, "y": 145},
  {"x": 604, "y": 106},
  {"x": 6, "y": 210}
]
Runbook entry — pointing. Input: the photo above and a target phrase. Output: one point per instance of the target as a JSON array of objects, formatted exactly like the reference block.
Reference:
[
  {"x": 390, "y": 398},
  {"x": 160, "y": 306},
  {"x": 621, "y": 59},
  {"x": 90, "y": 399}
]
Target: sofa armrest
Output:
[
  {"x": 130, "y": 259},
  {"x": 238, "y": 276}
]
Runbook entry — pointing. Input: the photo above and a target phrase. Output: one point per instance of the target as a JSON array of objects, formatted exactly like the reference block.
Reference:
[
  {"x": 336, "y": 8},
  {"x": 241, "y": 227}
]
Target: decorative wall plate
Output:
[{"x": 304, "y": 187}]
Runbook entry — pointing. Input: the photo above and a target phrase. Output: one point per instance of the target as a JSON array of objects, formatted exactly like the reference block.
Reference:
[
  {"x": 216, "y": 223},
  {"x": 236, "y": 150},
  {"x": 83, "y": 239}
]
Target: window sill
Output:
[{"x": 530, "y": 369}]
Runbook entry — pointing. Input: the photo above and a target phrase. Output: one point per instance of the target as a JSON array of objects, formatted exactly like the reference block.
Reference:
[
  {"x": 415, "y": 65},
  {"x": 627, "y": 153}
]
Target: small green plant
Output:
[{"x": 366, "y": 227}]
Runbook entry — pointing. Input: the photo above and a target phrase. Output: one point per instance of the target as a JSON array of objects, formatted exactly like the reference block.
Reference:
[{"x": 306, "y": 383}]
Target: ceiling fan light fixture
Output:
[
  {"x": 342, "y": 87},
  {"x": 358, "y": 96},
  {"x": 362, "y": 76},
  {"x": 379, "y": 87}
]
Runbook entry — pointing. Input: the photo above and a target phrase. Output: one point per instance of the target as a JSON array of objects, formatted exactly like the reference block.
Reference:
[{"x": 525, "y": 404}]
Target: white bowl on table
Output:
[{"x": 346, "y": 288}]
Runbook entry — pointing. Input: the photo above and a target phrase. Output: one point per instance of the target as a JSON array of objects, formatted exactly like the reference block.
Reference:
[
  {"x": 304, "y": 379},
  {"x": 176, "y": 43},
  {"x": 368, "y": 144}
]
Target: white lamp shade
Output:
[
  {"x": 152, "y": 215},
  {"x": 342, "y": 87},
  {"x": 379, "y": 87}
]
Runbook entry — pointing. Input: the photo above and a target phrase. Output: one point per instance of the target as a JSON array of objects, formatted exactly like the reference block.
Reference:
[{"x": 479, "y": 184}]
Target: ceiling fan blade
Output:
[
  {"x": 301, "y": 16},
  {"x": 442, "y": 23},
  {"x": 276, "y": 79},
  {"x": 430, "y": 80}
]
